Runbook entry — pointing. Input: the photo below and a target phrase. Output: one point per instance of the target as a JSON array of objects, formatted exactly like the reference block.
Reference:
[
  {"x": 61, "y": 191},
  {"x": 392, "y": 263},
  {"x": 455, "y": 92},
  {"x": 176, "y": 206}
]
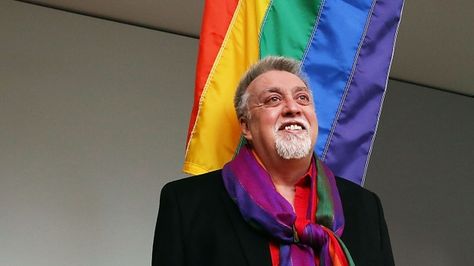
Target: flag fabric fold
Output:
[{"x": 345, "y": 47}]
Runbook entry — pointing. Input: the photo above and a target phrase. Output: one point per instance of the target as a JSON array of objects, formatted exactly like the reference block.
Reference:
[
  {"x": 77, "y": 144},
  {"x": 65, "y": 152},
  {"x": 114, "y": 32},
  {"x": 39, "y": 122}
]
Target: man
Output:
[{"x": 275, "y": 203}]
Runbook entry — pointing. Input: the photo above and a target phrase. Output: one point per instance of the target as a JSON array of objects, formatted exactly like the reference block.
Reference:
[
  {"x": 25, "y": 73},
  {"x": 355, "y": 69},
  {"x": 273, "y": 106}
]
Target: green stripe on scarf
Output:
[{"x": 325, "y": 211}]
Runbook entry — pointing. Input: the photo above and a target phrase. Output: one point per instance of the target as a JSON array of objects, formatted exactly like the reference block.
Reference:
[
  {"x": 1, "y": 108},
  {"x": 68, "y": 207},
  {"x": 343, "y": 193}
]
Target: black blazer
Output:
[{"x": 199, "y": 224}]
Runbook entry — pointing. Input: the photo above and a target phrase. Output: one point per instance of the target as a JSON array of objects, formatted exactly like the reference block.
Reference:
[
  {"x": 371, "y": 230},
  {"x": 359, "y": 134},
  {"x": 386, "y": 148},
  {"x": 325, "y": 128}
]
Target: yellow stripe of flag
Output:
[{"x": 214, "y": 139}]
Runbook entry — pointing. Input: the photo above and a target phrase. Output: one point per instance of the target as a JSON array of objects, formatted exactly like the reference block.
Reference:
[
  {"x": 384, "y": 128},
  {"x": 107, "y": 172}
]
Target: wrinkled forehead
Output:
[
  {"x": 282, "y": 90},
  {"x": 277, "y": 81}
]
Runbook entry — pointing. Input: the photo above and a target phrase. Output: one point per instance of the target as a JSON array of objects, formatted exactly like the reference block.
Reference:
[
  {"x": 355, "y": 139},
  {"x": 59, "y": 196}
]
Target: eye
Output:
[
  {"x": 303, "y": 98},
  {"x": 273, "y": 100}
]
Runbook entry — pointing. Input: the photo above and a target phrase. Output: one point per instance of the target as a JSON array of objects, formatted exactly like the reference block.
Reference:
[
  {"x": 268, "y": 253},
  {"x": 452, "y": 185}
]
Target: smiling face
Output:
[{"x": 281, "y": 120}]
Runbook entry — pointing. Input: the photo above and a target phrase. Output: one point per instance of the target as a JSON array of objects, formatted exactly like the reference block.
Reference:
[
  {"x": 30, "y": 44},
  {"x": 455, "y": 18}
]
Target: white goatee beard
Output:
[{"x": 293, "y": 146}]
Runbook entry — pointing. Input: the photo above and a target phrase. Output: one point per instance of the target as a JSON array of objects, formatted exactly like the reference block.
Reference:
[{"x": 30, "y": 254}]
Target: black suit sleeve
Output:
[
  {"x": 168, "y": 245},
  {"x": 386, "y": 247}
]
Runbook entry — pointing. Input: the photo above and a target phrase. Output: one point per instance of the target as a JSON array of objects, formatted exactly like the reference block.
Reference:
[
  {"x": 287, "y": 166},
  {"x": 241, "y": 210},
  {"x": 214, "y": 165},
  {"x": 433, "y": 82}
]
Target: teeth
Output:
[{"x": 293, "y": 127}]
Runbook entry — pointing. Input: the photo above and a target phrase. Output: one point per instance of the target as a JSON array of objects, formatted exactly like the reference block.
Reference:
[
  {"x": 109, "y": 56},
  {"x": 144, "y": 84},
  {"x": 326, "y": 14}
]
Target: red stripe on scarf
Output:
[{"x": 301, "y": 205}]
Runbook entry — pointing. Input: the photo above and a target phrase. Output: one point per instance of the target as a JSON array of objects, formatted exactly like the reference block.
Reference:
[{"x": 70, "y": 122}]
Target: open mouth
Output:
[{"x": 292, "y": 126}]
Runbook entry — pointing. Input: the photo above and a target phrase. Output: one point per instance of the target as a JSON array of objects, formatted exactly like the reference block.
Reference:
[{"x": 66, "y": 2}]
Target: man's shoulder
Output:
[
  {"x": 195, "y": 184},
  {"x": 349, "y": 191},
  {"x": 197, "y": 197},
  {"x": 349, "y": 185}
]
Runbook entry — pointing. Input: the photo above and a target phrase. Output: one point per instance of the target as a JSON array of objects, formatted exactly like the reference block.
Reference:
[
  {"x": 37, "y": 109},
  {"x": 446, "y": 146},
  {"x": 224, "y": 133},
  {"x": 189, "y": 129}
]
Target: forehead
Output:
[{"x": 275, "y": 79}]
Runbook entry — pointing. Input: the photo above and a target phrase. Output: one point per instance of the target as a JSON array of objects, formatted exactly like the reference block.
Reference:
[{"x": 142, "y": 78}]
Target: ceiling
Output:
[{"x": 435, "y": 45}]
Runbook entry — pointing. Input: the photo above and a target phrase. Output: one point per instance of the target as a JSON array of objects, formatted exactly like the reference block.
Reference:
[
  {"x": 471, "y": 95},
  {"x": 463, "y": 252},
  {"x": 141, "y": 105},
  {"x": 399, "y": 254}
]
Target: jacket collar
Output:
[{"x": 254, "y": 245}]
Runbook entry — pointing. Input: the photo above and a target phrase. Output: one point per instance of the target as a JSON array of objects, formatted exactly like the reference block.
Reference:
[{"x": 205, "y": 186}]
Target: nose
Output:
[{"x": 291, "y": 107}]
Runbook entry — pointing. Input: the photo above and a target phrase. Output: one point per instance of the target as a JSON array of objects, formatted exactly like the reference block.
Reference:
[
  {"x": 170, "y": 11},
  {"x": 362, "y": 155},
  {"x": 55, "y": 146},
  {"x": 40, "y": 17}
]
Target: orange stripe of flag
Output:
[{"x": 216, "y": 20}]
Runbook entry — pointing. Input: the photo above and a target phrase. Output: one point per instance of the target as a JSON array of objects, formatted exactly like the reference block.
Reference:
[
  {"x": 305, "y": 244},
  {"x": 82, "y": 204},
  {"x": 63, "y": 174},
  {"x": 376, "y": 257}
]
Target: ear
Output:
[{"x": 244, "y": 127}]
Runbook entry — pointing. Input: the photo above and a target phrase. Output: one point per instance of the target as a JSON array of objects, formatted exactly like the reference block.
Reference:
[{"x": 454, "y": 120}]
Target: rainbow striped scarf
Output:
[{"x": 251, "y": 188}]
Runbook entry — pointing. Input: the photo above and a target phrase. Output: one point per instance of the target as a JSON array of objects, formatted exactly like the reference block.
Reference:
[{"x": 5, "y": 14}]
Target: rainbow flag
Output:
[{"x": 345, "y": 47}]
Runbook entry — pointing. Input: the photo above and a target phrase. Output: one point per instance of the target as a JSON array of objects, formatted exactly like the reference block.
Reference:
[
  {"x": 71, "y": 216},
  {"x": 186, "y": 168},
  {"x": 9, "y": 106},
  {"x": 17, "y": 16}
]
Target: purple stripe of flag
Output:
[{"x": 357, "y": 122}]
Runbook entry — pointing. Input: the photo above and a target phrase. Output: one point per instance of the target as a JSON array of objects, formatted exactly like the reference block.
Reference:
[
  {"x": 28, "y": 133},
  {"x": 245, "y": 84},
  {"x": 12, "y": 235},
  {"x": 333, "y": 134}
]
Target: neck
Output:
[
  {"x": 288, "y": 172},
  {"x": 285, "y": 173}
]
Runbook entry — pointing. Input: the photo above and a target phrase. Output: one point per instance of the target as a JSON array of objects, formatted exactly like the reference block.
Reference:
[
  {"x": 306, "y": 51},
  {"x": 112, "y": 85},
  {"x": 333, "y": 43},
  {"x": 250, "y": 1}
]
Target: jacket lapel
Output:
[{"x": 253, "y": 244}]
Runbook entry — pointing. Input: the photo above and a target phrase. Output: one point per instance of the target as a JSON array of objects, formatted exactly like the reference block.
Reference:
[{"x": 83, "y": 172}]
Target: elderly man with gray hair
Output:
[{"x": 275, "y": 203}]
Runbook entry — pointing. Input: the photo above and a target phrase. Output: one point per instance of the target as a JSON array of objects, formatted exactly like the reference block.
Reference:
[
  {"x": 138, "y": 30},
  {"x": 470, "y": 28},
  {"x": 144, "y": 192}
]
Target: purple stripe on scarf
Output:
[
  {"x": 253, "y": 213},
  {"x": 357, "y": 122},
  {"x": 301, "y": 255},
  {"x": 285, "y": 255},
  {"x": 262, "y": 190},
  {"x": 325, "y": 259}
]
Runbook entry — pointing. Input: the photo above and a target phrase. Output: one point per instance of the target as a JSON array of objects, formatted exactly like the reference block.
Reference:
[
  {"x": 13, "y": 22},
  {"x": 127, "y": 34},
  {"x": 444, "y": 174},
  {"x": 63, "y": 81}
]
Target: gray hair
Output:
[{"x": 266, "y": 64}]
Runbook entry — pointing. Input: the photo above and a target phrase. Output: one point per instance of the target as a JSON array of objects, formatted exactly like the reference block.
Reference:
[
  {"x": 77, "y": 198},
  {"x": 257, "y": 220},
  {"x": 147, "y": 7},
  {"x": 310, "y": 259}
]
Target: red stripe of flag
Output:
[{"x": 216, "y": 20}]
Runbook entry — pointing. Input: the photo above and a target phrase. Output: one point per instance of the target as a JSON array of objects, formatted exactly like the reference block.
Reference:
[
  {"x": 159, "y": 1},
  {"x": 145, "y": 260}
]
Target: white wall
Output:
[
  {"x": 93, "y": 117},
  {"x": 93, "y": 120},
  {"x": 423, "y": 169}
]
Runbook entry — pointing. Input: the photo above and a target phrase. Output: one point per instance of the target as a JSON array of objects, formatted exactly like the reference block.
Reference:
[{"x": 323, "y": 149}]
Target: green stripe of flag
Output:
[{"x": 287, "y": 27}]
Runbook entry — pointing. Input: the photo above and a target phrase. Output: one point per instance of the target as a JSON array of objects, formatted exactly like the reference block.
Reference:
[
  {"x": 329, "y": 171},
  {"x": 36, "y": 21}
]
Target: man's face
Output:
[{"x": 282, "y": 121}]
